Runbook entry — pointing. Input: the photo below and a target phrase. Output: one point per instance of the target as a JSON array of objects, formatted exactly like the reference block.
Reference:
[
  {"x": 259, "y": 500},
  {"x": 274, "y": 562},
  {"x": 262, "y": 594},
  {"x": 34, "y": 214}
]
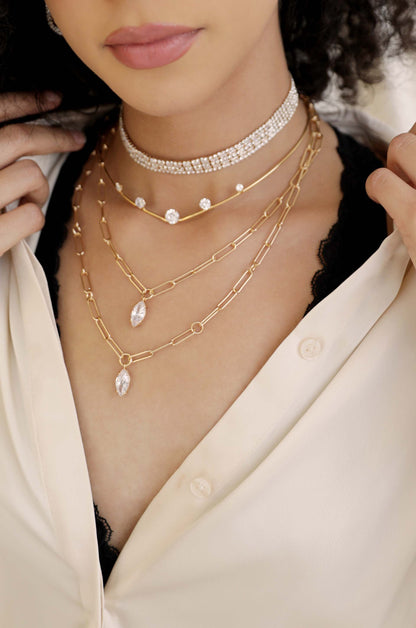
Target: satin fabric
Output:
[{"x": 298, "y": 508}]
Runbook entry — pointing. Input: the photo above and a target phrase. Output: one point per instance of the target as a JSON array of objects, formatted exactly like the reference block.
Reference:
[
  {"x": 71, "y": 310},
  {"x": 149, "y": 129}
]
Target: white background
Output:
[{"x": 394, "y": 100}]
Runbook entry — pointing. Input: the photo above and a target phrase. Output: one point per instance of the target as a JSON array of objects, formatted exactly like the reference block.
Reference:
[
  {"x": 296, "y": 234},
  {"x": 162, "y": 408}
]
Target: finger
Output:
[
  {"x": 401, "y": 157},
  {"x": 18, "y": 224},
  {"x": 23, "y": 179},
  {"x": 397, "y": 197},
  {"x": 18, "y": 140},
  {"x": 14, "y": 105}
]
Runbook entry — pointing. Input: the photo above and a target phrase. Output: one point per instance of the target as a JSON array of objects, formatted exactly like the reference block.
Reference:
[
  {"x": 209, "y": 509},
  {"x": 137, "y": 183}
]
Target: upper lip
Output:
[{"x": 145, "y": 34}]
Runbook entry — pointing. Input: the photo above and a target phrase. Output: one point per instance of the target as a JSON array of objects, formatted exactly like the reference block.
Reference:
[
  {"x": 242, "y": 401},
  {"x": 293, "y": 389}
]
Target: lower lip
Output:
[{"x": 154, "y": 54}]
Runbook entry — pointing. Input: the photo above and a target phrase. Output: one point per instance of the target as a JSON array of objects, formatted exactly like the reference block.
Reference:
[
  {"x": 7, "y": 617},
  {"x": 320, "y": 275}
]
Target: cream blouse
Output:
[{"x": 297, "y": 509}]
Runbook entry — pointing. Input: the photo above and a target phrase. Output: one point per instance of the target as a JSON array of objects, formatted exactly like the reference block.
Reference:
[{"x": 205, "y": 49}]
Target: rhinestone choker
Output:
[{"x": 224, "y": 158}]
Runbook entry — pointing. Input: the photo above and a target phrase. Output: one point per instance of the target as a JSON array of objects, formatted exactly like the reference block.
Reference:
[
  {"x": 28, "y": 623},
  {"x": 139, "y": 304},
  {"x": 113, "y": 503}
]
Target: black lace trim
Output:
[
  {"x": 108, "y": 553},
  {"x": 361, "y": 224}
]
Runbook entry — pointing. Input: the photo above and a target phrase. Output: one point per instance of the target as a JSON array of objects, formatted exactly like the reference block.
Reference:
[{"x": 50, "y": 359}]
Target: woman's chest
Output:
[{"x": 135, "y": 443}]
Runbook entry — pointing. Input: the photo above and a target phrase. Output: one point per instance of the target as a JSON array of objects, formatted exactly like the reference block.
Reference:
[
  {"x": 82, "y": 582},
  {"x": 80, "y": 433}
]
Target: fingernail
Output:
[
  {"x": 51, "y": 99},
  {"x": 79, "y": 137}
]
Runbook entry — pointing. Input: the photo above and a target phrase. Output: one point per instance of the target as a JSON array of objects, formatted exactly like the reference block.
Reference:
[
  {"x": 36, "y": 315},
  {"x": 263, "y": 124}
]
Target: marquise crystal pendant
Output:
[
  {"x": 138, "y": 314},
  {"x": 122, "y": 382}
]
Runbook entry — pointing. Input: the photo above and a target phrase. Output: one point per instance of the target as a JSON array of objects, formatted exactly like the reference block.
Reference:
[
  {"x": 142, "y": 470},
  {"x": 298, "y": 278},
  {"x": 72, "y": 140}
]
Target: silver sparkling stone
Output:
[
  {"x": 172, "y": 216},
  {"x": 118, "y": 187},
  {"x": 122, "y": 382},
  {"x": 140, "y": 202},
  {"x": 138, "y": 313},
  {"x": 205, "y": 203},
  {"x": 239, "y": 187},
  {"x": 227, "y": 157}
]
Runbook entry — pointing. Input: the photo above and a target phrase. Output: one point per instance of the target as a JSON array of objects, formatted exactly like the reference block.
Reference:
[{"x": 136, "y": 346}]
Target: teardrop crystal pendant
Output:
[
  {"x": 138, "y": 313},
  {"x": 122, "y": 382}
]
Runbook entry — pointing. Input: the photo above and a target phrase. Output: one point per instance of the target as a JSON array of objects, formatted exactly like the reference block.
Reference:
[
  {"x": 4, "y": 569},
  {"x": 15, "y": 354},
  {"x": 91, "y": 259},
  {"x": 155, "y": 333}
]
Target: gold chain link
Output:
[{"x": 155, "y": 291}]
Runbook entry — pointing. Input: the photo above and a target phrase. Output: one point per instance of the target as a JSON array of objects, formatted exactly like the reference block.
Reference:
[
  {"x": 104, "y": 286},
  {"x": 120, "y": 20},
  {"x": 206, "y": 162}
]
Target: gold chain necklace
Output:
[
  {"x": 139, "y": 310},
  {"x": 123, "y": 379},
  {"x": 172, "y": 216}
]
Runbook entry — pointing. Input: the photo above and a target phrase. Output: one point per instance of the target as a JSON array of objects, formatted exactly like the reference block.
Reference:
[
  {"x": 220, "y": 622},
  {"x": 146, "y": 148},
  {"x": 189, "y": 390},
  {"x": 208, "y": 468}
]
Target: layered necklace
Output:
[
  {"x": 139, "y": 310},
  {"x": 230, "y": 156},
  {"x": 127, "y": 358}
]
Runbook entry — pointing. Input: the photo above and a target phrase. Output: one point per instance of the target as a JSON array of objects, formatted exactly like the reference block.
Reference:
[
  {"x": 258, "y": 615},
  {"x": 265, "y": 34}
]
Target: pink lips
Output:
[{"x": 151, "y": 45}]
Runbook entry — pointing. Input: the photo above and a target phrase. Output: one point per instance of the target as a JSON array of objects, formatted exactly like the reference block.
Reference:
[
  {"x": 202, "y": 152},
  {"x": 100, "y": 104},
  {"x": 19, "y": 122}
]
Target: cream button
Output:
[
  {"x": 200, "y": 487},
  {"x": 310, "y": 348}
]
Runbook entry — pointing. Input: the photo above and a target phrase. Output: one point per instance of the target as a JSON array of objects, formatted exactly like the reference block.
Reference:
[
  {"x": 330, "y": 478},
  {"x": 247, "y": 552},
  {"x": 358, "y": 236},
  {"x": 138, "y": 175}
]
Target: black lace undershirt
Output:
[{"x": 344, "y": 250}]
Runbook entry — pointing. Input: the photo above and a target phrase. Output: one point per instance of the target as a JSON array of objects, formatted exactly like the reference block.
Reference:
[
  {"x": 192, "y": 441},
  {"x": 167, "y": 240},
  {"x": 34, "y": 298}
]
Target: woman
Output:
[{"x": 263, "y": 473}]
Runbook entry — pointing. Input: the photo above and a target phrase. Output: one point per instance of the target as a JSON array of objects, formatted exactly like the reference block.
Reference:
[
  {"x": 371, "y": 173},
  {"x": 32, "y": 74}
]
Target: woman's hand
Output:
[
  {"x": 394, "y": 187},
  {"x": 23, "y": 180}
]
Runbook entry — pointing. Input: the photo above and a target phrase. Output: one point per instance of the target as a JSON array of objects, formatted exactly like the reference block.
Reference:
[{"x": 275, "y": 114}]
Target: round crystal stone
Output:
[
  {"x": 205, "y": 203},
  {"x": 239, "y": 187},
  {"x": 119, "y": 187},
  {"x": 140, "y": 202},
  {"x": 172, "y": 216}
]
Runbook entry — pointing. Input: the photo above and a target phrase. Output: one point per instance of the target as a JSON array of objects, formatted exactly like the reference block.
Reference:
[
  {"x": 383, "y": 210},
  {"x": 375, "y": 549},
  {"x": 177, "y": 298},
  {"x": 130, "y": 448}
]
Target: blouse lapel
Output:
[
  {"x": 264, "y": 414},
  {"x": 61, "y": 453}
]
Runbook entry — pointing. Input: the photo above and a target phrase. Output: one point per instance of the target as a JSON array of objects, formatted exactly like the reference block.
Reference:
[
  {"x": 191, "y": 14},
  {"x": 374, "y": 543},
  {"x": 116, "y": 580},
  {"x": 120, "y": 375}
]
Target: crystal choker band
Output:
[{"x": 224, "y": 158}]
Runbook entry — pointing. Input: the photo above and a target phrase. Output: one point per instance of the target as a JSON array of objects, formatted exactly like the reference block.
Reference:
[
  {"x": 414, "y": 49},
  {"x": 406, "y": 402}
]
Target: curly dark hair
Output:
[
  {"x": 342, "y": 39},
  {"x": 345, "y": 39}
]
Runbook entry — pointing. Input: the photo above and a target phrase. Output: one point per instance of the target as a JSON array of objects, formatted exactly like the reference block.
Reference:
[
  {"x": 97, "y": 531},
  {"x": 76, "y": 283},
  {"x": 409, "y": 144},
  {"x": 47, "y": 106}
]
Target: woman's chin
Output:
[{"x": 167, "y": 98}]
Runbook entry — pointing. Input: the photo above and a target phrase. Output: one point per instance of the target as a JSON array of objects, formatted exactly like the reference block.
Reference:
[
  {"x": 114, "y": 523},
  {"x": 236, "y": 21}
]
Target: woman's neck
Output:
[{"x": 237, "y": 108}]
